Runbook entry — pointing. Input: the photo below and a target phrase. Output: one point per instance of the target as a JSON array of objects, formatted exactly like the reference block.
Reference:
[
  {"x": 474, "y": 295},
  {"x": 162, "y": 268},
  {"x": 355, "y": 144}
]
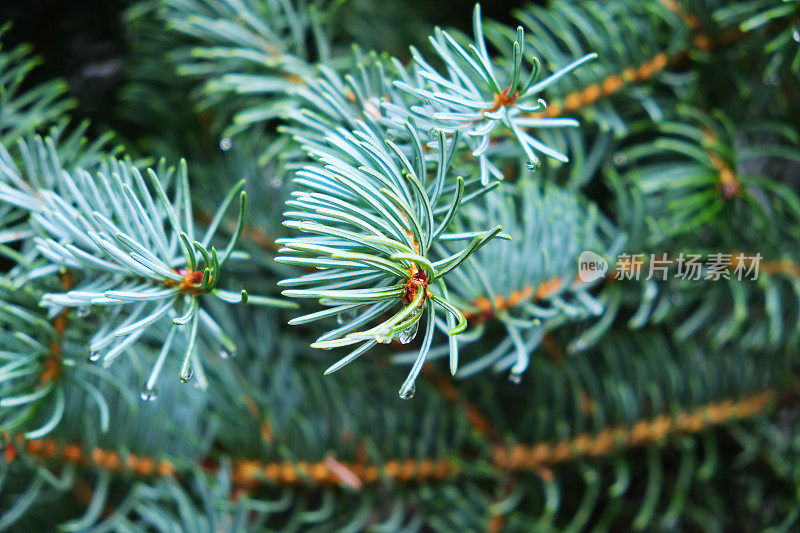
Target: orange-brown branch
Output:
[
  {"x": 52, "y": 364},
  {"x": 643, "y": 433},
  {"x": 729, "y": 184},
  {"x": 610, "y": 85},
  {"x": 251, "y": 473},
  {"x": 486, "y": 309},
  {"x": 615, "y": 82}
]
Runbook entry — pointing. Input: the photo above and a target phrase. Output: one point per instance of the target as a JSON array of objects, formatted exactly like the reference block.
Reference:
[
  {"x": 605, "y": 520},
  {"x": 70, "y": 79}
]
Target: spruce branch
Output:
[
  {"x": 474, "y": 99},
  {"x": 371, "y": 228},
  {"x": 251, "y": 53},
  {"x": 701, "y": 168},
  {"x": 134, "y": 249}
]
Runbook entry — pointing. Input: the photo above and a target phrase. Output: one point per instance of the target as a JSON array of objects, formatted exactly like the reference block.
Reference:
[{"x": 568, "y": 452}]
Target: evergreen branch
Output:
[
  {"x": 643, "y": 433},
  {"x": 252, "y": 50},
  {"x": 31, "y": 371},
  {"x": 610, "y": 85},
  {"x": 516, "y": 457},
  {"x": 374, "y": 231},
  {"x": 620, "y": 72},
  {"x": 124, "y": 241},
  {"x": 487, "y": 309},
  {"x": 389, "y": 218},
  {"x": 779, "y": 22},
  {"x": 704, "y": 175},
  {"x": 471, "y": 100}
]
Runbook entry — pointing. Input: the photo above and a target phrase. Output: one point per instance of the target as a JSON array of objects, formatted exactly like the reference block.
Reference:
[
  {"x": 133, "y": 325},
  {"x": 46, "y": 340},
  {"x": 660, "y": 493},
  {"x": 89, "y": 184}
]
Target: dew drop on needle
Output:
[
  {"x": 187, "y": 376},
  {"x": 345, "y": 317},
  {"x": 407, "y": 335},
  {"x": 407, "y": 394},
  {"x": 149, "y": 394}
]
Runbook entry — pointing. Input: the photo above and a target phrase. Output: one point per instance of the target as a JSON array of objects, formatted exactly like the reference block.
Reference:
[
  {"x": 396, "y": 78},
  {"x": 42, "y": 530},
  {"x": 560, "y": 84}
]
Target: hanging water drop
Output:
[
  {"x": 94, "y": 356},
  {"x": 186, "y": 377},
  {"x": 620, "y": 159},
  {"x": 515, "y": 378},
  {"x": 407, "y": 335},
  {"x": 276, "y": 182},
  {"x": 796, "y": 35},
  {"x": 149, "y": 394},
  {"x": 533, "y": 165},
  {"x": 225, "y": 144},
  {"x": 408, "y": 393},
  {"x": 83, "y": 311},
  {"x": 223, "y": 354}
]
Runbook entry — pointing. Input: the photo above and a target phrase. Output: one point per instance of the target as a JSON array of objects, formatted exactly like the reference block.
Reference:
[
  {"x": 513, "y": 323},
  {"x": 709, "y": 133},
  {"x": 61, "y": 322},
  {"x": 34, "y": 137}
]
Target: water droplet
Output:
[
  {"x": 345, "y": 316},
  {"x": 83, "y": 311},
  {"x": 407, "y": 335},
  {"x": 225, "y": 144},
  {"x": 233, "y": 355},
  {"x": 94, "y": 356},
  {"x": 677, "y": 299},
  {"x": 276, "y": 183},
  {"x": 515, "y": 378},
  {"x": 223, "y": 354},
  {"x": 620, "y": 159},
  {"x": 533, "y": 165},
  {"x": 408, "y": 393},
  {"x": 796, "y": 35},
  {"x": 149, "y": 394},
  {"x": 187, "y": 376}
]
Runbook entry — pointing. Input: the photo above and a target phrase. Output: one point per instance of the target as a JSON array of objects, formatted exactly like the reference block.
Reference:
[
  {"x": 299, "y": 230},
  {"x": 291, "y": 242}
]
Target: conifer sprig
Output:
[
  {"x": 371, "y": 217},
  {"x": 134, "y": 250},
  {"x": 473, "y": 98}
]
